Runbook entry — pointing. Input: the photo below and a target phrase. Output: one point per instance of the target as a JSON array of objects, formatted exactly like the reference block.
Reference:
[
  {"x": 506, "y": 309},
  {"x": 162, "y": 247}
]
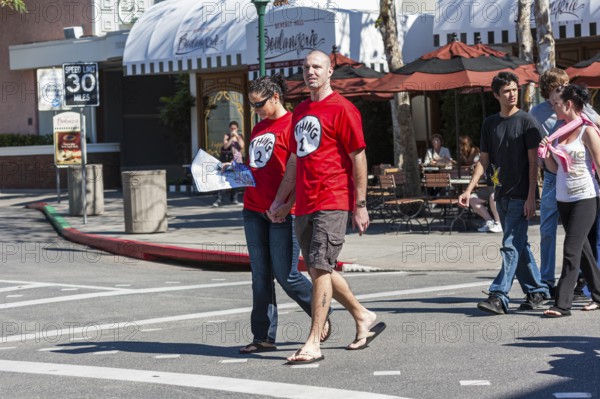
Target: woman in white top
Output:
[
  {"x": 437, "y": 155},
  {"x": 572, "y": 157}
]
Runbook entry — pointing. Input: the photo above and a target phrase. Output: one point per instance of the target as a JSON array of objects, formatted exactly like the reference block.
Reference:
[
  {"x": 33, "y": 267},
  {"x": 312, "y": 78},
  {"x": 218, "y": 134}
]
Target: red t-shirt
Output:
[
  {"x": 268, "y": 154},
  {"x": 325, "y": 133}
]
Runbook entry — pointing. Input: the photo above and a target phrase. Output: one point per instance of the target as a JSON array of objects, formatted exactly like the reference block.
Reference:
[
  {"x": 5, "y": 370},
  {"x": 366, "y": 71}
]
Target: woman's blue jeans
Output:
[
  {"x": 274, "y": 253},
  {"x": 517, "y": 258}
]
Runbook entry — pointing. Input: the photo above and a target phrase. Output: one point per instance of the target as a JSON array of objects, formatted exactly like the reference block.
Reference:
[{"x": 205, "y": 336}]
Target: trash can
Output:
[
  {"x": 145, "y": 201},
  {"x": 94, "y": 188}
]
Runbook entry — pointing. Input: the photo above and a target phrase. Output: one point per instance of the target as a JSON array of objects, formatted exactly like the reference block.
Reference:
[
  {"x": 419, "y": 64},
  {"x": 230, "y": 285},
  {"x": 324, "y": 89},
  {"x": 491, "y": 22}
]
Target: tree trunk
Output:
[
  {"x": 405, "y": 145},
  {"x": 525, "y": 40},
  {"x": 545, "y": 39}
]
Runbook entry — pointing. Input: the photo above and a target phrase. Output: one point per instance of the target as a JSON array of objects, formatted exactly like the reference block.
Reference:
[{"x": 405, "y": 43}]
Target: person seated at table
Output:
[
  {"x": 469, "y": 153},
  {"x": 478, "y": 202},
  {"x": 438, "y": 155}
]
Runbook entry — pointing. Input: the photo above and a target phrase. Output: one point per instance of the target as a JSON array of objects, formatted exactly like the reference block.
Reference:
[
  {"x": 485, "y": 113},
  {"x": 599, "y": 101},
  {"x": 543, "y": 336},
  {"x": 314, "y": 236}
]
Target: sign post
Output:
[
  {"x": 51, "y": 97},
  {"x": 81, "y": 90}
]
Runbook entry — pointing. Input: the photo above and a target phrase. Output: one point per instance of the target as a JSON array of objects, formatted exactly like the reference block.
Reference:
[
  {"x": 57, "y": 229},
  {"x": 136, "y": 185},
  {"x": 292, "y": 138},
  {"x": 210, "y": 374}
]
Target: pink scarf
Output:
[{"x": 565, "y": 159}]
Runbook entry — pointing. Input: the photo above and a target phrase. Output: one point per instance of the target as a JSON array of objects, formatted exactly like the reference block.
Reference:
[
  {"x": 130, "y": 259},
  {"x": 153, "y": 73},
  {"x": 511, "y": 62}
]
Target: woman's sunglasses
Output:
[{"x": 261, "y": 103}]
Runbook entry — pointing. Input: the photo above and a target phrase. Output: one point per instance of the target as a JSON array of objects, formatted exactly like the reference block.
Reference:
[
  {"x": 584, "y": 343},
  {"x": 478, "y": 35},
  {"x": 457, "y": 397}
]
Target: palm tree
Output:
[
  {"x": 18, "y": 5},
  {"x": 405, "y": 145}
]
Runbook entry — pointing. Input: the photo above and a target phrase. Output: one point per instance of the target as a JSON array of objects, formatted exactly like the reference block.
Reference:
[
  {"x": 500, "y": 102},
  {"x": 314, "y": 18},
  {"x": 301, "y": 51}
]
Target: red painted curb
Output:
[{"x": 147, "y": 251}]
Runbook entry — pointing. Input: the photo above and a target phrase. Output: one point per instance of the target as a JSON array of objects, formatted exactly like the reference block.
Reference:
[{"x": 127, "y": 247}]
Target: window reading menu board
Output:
[{"x": 68, "y": 146}]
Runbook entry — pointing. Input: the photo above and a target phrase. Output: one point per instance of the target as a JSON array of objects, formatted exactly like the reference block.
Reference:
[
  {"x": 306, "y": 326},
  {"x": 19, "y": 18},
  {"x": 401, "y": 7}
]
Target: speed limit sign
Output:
[{"x": 81, "y": 84}]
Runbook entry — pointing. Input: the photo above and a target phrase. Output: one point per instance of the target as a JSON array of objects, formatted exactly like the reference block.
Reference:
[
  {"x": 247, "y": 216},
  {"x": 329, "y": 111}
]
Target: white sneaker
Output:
[
  {"x": 496, "y": 228},
  {"x": 486, "y": 227},
  {"x": 216, "y": 204}
]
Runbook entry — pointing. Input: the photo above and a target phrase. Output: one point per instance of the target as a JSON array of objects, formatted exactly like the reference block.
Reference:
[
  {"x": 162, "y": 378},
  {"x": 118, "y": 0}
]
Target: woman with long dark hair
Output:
[{"x": 571, "y": 153}]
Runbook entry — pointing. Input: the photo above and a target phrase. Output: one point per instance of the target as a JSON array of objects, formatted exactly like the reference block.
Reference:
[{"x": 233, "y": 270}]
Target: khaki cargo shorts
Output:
[{"x": 321, "y": 237}]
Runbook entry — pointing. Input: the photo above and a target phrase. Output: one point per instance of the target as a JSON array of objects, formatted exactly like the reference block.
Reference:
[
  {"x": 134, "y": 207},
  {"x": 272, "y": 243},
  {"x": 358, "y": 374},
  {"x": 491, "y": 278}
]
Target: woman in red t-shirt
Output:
[{"x": 272, "y": 247}]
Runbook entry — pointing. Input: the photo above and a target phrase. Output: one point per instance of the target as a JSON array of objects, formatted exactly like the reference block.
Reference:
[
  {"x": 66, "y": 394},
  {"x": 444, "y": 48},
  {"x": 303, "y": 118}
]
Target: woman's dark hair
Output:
[
  {"x": 268, "y": 85},
  {"x": 437, "y": 136},
  {"x": 503, "y": 79},
  {"x": 578, "y": 95}
]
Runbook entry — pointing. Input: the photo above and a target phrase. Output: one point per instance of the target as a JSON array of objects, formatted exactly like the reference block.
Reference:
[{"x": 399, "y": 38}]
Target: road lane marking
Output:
[
  {"x": 167, "y": 357},
  {"x": 572, "y": 395},
  {"x": 7, "y": 348},
  {"x": 105, "y": 352},
  {"x": 41, "y": 284},
  {"x": 474, "y": 382},
  {"x": 233, "y": 361},
  {"x": 305, "y": 366},
  {"x": 118, "y": 292},
  {"x": 390, "y": 372},
  {"x": 14, "y": 296},
  {"x": 25, "y": 287},
  {"x": 36, "y": 337},
  {"x": 223, "y": 384},
  {"x": 69, "y": 289}
]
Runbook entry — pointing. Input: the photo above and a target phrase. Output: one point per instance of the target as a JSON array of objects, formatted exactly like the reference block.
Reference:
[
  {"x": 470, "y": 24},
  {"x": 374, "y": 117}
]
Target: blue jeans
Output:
[
  {"x": 517, "y": 259},
  {"x": 274, "y": 253},
  {"x": 548, "y": 226}
]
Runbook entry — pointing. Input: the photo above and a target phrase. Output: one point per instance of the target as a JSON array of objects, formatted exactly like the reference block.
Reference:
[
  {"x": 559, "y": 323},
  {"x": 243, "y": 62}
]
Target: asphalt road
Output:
[{"x": 77, "y": 323}]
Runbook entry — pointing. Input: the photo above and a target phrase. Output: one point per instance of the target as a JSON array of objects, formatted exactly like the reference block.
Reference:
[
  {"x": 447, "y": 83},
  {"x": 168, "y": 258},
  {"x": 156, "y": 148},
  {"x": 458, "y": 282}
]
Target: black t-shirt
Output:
[{"x": 507, "y": 140}]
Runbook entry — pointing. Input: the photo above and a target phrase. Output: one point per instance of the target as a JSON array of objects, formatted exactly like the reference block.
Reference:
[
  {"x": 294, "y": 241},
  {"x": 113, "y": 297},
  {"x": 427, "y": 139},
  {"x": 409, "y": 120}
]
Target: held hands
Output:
[{"x": 278, "y": 211}]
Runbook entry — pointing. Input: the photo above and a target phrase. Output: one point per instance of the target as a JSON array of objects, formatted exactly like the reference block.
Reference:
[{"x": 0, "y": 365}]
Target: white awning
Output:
[
  {"x": 191, "y": 35},
  {"x": 180, "y": 35},
  {"x": 57, "y": 52},
  {"x": 495, "y": 20}
]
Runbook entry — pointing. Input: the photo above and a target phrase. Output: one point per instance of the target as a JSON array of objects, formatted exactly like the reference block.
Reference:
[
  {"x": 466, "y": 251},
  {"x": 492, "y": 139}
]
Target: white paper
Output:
[{"x": 208, "y": 175}]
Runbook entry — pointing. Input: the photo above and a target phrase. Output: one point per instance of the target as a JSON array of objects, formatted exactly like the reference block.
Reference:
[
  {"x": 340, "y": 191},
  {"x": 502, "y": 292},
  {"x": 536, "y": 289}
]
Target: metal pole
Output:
[
  {"x": 427, "y": 132},
  {"x": 83, "y": 164},
  {"x": 261, "y": 6},
  {"x": 57, "y": 185},
  {"x": 456, "y": 133}
]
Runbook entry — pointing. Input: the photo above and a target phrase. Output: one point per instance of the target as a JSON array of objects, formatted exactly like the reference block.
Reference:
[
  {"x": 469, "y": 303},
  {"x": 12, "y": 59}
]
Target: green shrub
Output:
[{"x": 17, "y": 140}]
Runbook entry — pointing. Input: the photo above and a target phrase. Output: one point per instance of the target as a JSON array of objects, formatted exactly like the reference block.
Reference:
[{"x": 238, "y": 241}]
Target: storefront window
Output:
[{"x": 220, "y": 108}]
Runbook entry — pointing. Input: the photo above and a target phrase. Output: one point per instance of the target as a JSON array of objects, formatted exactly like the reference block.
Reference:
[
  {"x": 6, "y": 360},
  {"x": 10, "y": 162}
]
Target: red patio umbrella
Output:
[
  {"x": 586, "y": 72},
  {"x": 349, "y": 78},
  {"x": 453, "y": 66}
]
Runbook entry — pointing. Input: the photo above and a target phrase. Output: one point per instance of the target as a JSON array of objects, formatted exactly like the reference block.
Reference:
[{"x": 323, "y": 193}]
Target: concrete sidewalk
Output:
[{"x": 193, "y": 223}]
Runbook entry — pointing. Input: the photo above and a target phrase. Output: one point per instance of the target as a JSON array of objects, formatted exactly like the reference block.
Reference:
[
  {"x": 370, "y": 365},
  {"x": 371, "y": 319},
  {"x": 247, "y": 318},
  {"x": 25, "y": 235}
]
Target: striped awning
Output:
[
  {"x": 494, "y": 21},
  {"x": 183, "y": 35}
]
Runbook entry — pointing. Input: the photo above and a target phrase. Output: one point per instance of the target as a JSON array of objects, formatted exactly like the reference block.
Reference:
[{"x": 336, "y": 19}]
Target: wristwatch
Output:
[{"x": 361, "y": 203}]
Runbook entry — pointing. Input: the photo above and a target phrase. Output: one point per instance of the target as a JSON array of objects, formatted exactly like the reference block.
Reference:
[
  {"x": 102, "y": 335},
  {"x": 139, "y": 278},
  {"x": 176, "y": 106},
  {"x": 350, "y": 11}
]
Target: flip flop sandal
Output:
[
  {"x": 369, "y": 336},
  {"x": 591, "y": 306},
  {"x": 556, "y": 312},
  {"x": 312, "y": 358},
  {"x": 326, "y": 337},
  {"x": 259, "y": 347}
]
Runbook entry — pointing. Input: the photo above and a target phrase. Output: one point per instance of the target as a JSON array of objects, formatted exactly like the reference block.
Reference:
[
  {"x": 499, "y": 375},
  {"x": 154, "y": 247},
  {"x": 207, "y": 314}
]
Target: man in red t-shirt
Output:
[{"x": 330, "y": 177}]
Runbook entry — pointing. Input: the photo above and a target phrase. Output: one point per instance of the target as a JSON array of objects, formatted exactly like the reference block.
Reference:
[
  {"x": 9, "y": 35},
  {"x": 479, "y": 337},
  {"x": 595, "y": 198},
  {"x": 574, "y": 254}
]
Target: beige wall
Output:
[{"x": 44, "y": 21}]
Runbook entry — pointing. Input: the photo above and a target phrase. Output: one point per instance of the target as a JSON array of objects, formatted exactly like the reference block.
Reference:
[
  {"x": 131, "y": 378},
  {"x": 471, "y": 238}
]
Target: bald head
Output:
[
  {"x": 317, "y": 71},
  {"x": 324, "y": 57}
]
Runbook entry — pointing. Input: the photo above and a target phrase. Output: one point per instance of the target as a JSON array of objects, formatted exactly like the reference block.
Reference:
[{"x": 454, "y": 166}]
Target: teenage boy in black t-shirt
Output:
[{"x": 509, "y": 142}]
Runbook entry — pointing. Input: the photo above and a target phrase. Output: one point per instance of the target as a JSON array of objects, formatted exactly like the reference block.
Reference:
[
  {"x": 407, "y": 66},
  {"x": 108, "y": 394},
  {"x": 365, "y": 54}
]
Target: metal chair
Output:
[
  {"x": 398, "y": 209},
  {"x": 446, "y": 200}
]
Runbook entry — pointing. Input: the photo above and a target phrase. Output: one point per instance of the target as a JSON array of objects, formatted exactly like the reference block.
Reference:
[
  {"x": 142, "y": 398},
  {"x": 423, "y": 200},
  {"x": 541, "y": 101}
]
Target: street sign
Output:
[
  {"x": 51, "y": 88},
  {"x": 81, "y": 84},
  {"x": 68, "y": 144}
]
